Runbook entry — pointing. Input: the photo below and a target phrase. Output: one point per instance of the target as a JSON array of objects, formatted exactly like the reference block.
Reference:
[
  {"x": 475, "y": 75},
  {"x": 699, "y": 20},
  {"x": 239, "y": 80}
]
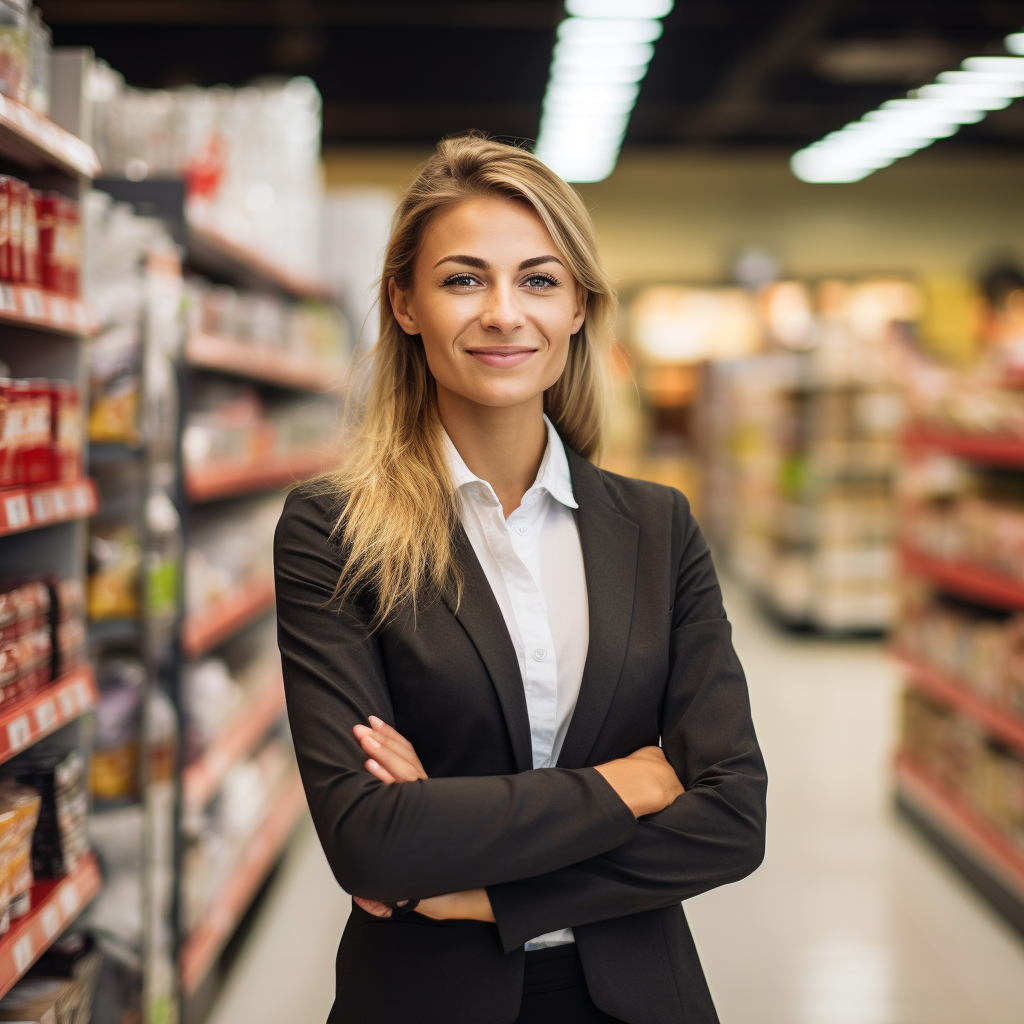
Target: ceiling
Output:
[{"x": 725, "y": 73}]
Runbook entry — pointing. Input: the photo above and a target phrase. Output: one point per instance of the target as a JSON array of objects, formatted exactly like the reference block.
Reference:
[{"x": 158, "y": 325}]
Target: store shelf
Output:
[
  {"x": 992, "y": 449},
  {"x": 34, "y": 141},
  {"x": 204, "y": 777},
  {"x": 228, "y": 479},
  {"x": 1001, "y": 722},
  {"x": 201, "y": 949},
  {"x": 210, "y": 251},
  {"x": 27, "y": 508},
  {"x": 275, "y": 367},
  {"x": 24, "y": 721},
  {"x": 23, "y": 306},
  {"x": 957, "y": 822},
  {"x": 55, "y": 904},
  {"x": 965, "y": 580},
  {"x": 205, "y": 630}
]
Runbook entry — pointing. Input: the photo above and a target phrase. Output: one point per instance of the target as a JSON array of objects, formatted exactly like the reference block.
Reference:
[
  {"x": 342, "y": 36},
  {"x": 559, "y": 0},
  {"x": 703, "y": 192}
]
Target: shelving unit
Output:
[
  {"x": 215, "y": 481},
  {"x": 202, "y": 633},
  {"x": 262, "y": 851},
  {"x": 43, "y": 526},
  {"x": 55, "y": 904},
  {"x": 984, "y": 854}
]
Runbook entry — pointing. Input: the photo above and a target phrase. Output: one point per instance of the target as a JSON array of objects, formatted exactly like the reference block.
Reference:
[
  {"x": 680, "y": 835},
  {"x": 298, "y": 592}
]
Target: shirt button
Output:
[
  {"x": 522, "y": 529},
  {"x": 540, "y": 653}
]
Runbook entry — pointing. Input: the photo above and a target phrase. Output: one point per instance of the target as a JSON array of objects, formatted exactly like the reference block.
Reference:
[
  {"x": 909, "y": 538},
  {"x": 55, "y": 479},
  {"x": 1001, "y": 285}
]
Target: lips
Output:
[{"x": 502, "y": 356}]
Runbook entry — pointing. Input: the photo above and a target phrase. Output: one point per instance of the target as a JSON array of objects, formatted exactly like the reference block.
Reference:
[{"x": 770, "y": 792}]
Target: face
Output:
[{"x": 493, "y": 302}]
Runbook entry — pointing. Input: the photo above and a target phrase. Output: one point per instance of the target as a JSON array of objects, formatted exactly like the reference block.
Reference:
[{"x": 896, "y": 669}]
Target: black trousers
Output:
[{"x": 555, "y": 991}]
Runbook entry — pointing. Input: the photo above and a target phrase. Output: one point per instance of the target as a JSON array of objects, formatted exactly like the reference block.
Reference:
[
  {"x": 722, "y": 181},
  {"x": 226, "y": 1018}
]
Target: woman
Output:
[{"x": 530, "y": 627}]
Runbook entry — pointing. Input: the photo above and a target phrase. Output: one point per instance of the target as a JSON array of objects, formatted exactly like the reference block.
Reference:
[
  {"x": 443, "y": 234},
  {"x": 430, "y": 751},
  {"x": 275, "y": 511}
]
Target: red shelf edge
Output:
[
  {"x": 28, "y": 720},
  {"x": 224, "y": 480},
  {"x": 204, "y": 777},
  {"x": 203, "y": 631},
  {"x": 37, "y": 132},
  {"x": 55, "y": 905},
  {"x": 227, "y": 355},
  {"x": 989, "y": 848},
  {"x": 1004, "y": 449},
  {"x": 33, "y": 506},
  {"x": 1001, "y": 721},
  {"x": 202, "y": 947},
  {"x": 24, "y": 306},
  {"x": 965, "y": 579}
]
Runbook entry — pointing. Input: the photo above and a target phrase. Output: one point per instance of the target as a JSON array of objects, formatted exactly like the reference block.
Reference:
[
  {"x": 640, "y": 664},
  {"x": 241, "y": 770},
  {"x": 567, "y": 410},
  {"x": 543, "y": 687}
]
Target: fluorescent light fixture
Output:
[
  {"x": 901, "y": 127},
  {"x": 600, "y": 58}
]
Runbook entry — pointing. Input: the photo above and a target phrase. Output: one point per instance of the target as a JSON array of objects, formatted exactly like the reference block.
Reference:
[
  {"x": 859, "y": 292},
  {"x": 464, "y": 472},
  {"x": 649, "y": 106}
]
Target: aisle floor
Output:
[{"x": 852, "y": 919}]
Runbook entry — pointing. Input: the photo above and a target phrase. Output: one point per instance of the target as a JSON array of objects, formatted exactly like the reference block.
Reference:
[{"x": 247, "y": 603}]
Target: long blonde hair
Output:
[{"x": 398, "y": 508}]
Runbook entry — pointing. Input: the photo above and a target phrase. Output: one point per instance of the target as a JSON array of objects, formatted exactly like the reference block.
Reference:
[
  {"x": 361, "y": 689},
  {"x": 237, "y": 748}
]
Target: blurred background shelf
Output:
[
  {"x": 38, "y": 505},
  {"x": 34, "y": 141},
  {"x": 262, "y": 851},
  {"x": 965, "y": 580},
  {"x": 22, "y": 306},
  {"x": 994, "y": 450},
  {"x": 202, "y": 778},
  {"x": 230, "y": 479},
  {"x": 26, "y": 720},
  {"x": 55, "y": 904},
  {"x": 282, "y": 369},
  {"x": 202, "y": 632}
]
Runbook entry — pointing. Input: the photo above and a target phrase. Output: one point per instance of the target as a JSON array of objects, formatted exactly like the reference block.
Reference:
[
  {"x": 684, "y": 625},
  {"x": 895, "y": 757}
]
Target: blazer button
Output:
[{"x": 540, "y": 653}]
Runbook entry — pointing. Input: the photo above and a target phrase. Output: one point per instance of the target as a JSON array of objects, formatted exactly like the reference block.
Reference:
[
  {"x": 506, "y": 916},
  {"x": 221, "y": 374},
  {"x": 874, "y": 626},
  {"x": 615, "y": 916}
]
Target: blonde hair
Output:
[{"x": 398, "y": 508}]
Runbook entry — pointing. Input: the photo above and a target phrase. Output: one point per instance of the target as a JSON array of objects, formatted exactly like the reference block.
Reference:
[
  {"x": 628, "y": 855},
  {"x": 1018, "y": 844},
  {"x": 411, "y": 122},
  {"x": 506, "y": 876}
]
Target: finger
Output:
[
  {"x": 375, "y": 769},
  {"x": 395, "y": 761},
  {"x": 373, "y": 907},
  {"x": 382, "y": 727}
]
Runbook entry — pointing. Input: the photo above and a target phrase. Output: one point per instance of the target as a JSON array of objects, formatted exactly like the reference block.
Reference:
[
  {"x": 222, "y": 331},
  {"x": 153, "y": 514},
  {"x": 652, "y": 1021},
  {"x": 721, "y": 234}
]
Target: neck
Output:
[{"x": 503, "y": 446}]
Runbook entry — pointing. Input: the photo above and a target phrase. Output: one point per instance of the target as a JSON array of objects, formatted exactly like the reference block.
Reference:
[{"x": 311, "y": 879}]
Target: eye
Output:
[
  {"x": 540, "y": 280},
  {"x": 459, "y": 281}
]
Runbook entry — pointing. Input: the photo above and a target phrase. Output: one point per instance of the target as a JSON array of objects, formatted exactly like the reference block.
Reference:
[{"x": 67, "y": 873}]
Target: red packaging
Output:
[
  {"x": 37, "y": 442},
  {"x": 5, "y": 228},
  {"x": 68, "y": 431},
  {"x": 49, "y": 240},
  {"x": 16, "y": 221},
  {"x": 7, "y": 427},
  {"x": 72, "y": 249},
  {"x": 17, "y": 396},
  {"x": 32, "y": 267}
]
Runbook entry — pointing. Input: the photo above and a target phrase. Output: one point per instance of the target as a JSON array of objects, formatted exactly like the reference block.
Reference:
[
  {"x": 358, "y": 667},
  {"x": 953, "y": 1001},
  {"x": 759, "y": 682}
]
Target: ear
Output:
[
  {"x": 400, "y": 307},
  {"x": 581, "y": 310}
]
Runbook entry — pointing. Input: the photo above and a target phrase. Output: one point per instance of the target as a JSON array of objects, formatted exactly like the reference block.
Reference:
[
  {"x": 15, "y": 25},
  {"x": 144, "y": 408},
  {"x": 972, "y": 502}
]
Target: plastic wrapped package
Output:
[
  {"x": 114, "y": 766},
  {"x": 115, "y": 367},
  {"x": 19, "y": 812},
  {"x": 115, "y": 558},
  {"x": 15, "y": 50}
]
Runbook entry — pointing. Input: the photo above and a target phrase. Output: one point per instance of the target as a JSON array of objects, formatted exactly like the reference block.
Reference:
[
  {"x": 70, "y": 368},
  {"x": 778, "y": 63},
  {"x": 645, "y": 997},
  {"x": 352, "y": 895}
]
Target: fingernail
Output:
[
  {"x": 374, "y": 720},
  {"x": 372, "y": 764}
]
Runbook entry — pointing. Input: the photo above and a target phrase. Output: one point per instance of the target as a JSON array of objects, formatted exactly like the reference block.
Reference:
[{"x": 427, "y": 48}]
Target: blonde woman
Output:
[{"x": 522, "y": 729}]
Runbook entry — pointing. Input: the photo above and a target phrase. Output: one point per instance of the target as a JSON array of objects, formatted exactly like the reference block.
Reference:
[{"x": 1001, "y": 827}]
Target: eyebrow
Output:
[{"x": 475, "y": 261}]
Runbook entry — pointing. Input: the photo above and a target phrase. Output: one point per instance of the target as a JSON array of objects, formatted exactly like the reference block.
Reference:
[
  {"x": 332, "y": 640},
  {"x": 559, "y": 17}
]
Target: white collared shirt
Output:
[{"x": 534, "y": 564}]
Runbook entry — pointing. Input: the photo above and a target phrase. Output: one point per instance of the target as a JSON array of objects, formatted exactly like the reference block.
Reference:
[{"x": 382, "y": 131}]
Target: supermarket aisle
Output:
[{"x": 851, "y": 920}]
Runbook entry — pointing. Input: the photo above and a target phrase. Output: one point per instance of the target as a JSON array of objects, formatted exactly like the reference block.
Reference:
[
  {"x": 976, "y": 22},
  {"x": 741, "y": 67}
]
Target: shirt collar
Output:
[{"x": 553, "y": 475}]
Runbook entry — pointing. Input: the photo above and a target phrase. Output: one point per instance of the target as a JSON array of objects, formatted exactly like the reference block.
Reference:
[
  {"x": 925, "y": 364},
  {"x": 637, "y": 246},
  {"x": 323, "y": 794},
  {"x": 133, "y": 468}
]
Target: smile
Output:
[{"x": 502, "y": 356}]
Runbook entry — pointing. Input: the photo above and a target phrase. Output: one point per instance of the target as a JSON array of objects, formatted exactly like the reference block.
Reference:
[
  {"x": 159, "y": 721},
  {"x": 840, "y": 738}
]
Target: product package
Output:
[
  {"x": 114, "y": 767},
  {"x": 19, "y": 812}
]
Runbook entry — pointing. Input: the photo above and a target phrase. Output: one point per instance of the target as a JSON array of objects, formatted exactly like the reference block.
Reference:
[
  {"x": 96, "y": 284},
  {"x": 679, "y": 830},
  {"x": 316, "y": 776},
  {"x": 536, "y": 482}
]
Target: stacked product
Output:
[
  {"x": 805, "y": 503},
  {"x": 25, "y": 53},
  {"x": 250, "y": 158},
  {"x": 40, "y": 238},
  {"x": 59, "y": 989},
  {"x": 41, "y": 431}
]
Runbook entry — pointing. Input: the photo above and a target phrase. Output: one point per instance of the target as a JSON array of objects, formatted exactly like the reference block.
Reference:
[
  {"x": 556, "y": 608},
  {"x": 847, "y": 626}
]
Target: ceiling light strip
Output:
[
  {"x": 601, "y": 55},
  {"x": 901, "y": 127}
]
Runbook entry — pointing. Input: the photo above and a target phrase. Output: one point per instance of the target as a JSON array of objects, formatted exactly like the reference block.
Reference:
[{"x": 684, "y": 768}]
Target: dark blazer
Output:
[{"x": 555, "y": 847}]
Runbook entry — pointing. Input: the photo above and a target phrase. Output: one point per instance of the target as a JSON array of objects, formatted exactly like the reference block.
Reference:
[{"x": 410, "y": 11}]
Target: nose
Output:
[{"x": 502, "y": 312}]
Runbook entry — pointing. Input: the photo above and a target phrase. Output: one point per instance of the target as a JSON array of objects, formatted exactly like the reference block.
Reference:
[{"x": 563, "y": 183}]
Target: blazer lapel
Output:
[
  {"x": 482, "y": 620},
  {"x": 609, "y": 543}
]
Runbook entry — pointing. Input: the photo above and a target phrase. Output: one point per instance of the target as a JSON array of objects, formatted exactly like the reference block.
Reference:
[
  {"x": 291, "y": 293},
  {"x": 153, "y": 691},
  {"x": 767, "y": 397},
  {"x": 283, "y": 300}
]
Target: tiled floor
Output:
[{"x": 851, "y": 919}]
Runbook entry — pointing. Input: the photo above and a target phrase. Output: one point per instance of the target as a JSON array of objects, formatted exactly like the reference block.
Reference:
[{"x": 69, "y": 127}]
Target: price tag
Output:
[
  {"x": 69, "y": 899},
  {"x": 59, "y": 310},
  {"x": 82, "y": 690},
  {"x": 19, "y": 732},
  {"x": 68, "y": 700},
  {"x": 8, "y": 302},
  {"x": 16, "y": 509},
  {"x": 80, "y": 315},
  {"x": 32, "y": 303},
  {"x": 60, "y": 502},
  {"x": 81, "y": 499},
  {"x": 46, "y": 715},
  {"x": 42, "y": 509},
  {"x": 50, "y": 920},
  {"x": 23, "y": 950}
]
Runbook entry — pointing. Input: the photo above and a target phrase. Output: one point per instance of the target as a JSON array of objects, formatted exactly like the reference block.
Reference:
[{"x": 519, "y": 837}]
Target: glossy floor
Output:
[{"x": 851, "y": 919}]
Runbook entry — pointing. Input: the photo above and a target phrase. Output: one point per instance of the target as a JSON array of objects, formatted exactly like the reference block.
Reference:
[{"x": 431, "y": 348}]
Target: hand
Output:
[
  {"x": 470, "y": 905},
  {"x": 391, "y": 756},
  {"x": 645, "y": 781}
]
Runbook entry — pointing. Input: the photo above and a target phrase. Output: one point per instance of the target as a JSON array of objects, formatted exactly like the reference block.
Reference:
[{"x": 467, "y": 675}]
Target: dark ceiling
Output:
[{"x": 726, "y": 72}]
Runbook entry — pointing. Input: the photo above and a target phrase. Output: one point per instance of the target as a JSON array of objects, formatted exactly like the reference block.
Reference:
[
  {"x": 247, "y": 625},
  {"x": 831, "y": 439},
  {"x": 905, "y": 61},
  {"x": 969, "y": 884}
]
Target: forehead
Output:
[{"x": 491, "y": 227}]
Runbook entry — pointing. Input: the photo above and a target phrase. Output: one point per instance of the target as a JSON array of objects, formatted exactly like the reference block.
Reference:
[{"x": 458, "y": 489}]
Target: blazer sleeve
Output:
[
  {"x": 712, "y": 834},
  {"x": 422, "y": 838}
]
